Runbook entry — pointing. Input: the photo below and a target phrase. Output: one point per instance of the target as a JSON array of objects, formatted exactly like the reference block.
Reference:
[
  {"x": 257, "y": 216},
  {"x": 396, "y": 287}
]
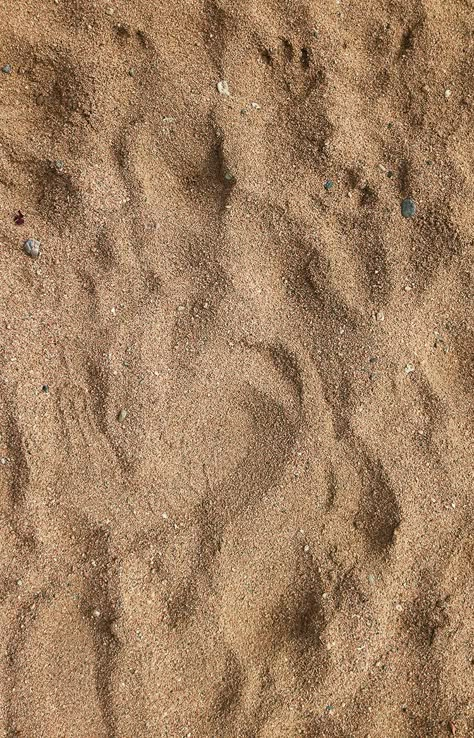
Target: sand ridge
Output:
[{"x": 275, "y": 538}]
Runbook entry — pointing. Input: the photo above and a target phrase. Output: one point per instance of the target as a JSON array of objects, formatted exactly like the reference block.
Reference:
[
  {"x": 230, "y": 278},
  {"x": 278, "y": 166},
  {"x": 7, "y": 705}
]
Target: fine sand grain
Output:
[{"x": 236, "y": 368}]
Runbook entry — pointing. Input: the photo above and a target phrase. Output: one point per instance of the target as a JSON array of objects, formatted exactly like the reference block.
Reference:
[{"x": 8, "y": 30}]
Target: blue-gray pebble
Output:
[
  {"x": 408, "y": 207},
  {"x": 7, "y": 69}
]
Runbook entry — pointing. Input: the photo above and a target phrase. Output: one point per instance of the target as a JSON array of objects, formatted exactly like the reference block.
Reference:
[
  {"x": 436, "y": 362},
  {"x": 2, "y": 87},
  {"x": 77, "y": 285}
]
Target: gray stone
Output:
[
  {"x": 32, "y": 247},
  {"x": 408, "y": 207}
]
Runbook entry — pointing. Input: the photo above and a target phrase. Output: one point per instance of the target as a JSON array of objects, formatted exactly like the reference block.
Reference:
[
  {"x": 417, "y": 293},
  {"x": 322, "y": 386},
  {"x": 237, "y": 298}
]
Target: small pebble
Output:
[
  {"x": 96, "y": 613},
  {"x": 408, "y": 207},
  {"x": 380, "y": 316},
  {"x": 122, "y": 415},
  {"x": 3, "y": 461},
  {"x": 131, "y": 72},
  {"x": 7, "y": 69},
  {"x": 306, "y": 549},
  {"x": 229, "y": 177},
  {"x": 409, "y": 369},
  {"x": 223, "y": 88},
  {"x": 58, "y": 165},
  {"x": 255, "y": 106},
  {"x": 447, "y": 94},
  {"x": 32, "y": 247},
  {"x": 109, "y": 11},
  {"x": 390, "y": 174},
  {"x": 45, "y": 388},
  {"x": 328, "y": 185}
]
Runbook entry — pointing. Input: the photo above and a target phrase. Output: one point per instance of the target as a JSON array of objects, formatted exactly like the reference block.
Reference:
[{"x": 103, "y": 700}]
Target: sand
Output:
[{"x": 236, "y": 385}]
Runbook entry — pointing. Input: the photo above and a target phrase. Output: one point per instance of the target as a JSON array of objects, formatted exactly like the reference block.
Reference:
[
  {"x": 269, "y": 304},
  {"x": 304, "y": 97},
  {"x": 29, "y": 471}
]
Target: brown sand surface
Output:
[{"x": 275, "y": 539}]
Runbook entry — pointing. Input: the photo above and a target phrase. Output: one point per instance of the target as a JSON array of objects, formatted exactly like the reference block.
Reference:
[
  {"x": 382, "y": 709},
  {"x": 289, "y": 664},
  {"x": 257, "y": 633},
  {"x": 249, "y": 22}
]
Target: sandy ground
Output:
[{"x": 236, "y": 385}]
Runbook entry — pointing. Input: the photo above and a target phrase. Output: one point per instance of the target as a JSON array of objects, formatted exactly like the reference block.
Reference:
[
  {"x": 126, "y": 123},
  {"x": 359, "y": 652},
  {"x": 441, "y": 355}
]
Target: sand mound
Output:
[{"x": 236, "y": 406}]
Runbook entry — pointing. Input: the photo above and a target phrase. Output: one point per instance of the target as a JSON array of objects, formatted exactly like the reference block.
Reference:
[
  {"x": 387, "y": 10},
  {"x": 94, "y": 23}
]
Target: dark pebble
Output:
[
  {"x": 390, "y": 174},
  {"x": 408, "y": 207},
  {"x": 7, "y": 69},
  {"x": 45, "y": 388},
  {"x": 328, "y": 185}
]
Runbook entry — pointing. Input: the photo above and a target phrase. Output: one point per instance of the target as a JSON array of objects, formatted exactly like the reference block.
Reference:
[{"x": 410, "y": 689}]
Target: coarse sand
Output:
[{"x": 236, "y": 387}]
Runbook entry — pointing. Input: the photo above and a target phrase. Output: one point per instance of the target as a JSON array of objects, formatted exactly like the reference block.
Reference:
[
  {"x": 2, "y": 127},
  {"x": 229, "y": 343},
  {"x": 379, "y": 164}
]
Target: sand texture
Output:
[{"x": 236, "y": 386}]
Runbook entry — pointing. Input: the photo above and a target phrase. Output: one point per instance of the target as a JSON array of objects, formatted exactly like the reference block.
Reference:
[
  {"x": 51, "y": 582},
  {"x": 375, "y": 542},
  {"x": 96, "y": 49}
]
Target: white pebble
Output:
[
  {"x": 223, "y": 88},
  {"x": 447, "y": 94},
  {"x": 409, "y": 369}
]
